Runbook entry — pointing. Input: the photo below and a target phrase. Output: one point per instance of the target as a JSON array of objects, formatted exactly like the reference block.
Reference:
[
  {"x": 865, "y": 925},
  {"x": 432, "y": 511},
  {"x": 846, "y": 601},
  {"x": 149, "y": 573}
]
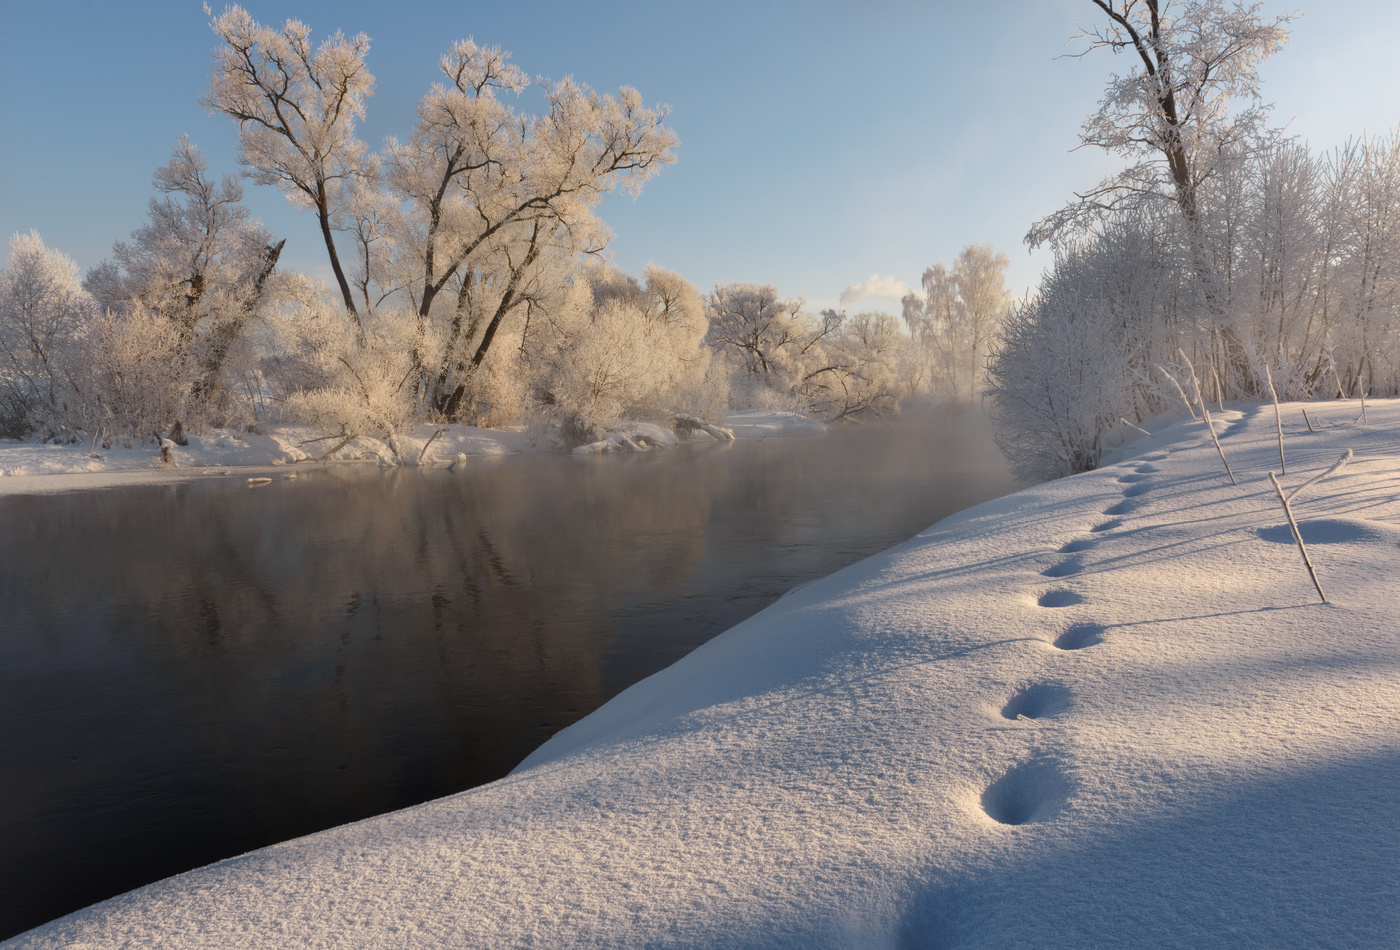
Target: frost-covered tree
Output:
[
  {"x": 476, "y": 220},
  {"x": 1187, "y": 110},
  {"x": 203, "y": 264},
  {"x": 956, "y": 321},
  {"x": 44, "y": 315},
  {"x": 296, "y": 107},
  {"x": 1364, "y": 336},
  {"x": 492, "y": 196},
  {"x": 1170, "y": 115},
  {"x": 774, "y": 346},
  {"x": 868, "y": 375},
  {"x": 623, "y": 350},
  {"x": 1212, "y": 248},
  {"x": 780, "y": 357},
  {"x": 1304, "y": 249}
]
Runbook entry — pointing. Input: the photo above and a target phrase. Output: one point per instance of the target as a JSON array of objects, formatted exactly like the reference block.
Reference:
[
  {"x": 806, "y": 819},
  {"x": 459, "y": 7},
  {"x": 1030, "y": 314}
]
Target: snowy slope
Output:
[{"x": 1103, "y": 712}]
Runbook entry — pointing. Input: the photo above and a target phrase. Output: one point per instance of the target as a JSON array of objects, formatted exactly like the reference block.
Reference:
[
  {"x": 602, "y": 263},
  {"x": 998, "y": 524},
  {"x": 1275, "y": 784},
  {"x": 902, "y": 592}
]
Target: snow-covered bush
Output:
[
  {"x": 1059, "y": 380},
  {"x": 352, "y": 382},
  {"x": 137, "y": 373},
  {"x": 1078, "y": 356}
]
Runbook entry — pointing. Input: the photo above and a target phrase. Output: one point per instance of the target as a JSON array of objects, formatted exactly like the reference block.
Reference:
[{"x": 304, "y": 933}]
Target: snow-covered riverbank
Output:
[
  {"x": 1104, "y": 711},
  {"x": 32, "y": 467}
]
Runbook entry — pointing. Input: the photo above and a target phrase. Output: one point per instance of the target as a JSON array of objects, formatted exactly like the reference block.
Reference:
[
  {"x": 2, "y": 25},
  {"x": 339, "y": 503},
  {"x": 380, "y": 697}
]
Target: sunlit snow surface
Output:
[{"x": 1103, "y": 712}]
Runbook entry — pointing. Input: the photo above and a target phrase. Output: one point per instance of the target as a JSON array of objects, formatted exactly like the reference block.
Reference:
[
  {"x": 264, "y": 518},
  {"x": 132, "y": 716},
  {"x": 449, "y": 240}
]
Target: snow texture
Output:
[{"x": 1035, "y": 724}]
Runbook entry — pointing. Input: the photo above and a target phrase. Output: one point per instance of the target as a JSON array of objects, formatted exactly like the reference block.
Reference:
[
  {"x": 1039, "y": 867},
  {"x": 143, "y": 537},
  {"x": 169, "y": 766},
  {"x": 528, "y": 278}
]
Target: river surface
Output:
[{"x": 190, "y": 671}]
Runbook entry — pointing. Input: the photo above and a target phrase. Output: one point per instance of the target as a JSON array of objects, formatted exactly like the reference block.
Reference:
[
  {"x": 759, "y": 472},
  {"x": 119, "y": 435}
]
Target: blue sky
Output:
[{"x": 821, "y": 142}]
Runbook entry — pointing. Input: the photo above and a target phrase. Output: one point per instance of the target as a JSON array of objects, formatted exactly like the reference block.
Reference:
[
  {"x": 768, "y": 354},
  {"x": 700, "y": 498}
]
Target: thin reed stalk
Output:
[
  {"x": 1180, "y": 392},
  {"x": 1298, "y": 536},
  {"x": 1278, "y": 419},
  {"x": 1205, "y": 414}
]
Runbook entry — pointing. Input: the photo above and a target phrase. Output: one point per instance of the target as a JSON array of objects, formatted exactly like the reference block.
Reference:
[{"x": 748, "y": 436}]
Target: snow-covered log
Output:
[{"x": 687, "y": 424}]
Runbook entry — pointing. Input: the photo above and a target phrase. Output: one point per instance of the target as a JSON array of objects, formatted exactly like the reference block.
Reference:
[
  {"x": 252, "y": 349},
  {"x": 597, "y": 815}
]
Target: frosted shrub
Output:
[
  {"x": 1060, "y": 379},
  {"x": 499, "y": 393},
  {"x": 353, "y": 383},
  {"x": 137, "y": 371}
]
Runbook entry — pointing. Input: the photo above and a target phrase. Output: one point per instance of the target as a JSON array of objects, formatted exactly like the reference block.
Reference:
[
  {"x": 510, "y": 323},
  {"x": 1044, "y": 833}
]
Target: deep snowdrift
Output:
[{"x": 1105, "y": 711}]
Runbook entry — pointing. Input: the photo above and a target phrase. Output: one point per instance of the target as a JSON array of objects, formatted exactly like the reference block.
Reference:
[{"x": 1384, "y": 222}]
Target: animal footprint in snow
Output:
[
  {"x": 1059, "y": 598},
  {"x": 1146, "y": 469},
  {"x": 1080, "y": 635},
  {"x": 1136, "y": 477},
  {"x": 1133, "y": 491},
  {"x": 1124, "y": 507},
  {"x": 1040, "y": 701},
  {"x": 1083, "y": 544},
  {"x": 1064, "y": 568},
  {"x": 1032, "y": 791},
  {"x": 1107, "y": 526}
]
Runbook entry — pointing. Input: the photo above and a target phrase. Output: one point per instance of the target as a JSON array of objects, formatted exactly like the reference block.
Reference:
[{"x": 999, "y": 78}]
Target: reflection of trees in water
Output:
[
  {"x": 214, "y": 664},
  {"x": 352, "y": 606}
]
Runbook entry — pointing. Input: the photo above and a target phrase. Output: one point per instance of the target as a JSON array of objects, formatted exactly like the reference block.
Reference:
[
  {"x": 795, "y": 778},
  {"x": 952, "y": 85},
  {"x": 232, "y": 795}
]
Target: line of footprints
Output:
[{"x": 1035, "y": 789}]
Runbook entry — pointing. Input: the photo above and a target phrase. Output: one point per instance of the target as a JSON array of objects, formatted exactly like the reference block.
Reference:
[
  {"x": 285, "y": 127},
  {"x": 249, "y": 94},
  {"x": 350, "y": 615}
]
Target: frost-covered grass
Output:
[
  {"x": 36, "y": 467},
  {"x": 1107, "y": 711}
]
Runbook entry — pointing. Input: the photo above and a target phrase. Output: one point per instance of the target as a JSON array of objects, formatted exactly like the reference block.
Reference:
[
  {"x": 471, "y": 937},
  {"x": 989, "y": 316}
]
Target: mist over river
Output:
[{"x": 192, "y": 670}]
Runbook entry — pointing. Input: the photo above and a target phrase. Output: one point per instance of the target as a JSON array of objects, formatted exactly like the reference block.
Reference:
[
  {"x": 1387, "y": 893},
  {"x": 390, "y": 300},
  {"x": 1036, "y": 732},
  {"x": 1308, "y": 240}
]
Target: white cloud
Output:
[{"x": 884, "y": 288}]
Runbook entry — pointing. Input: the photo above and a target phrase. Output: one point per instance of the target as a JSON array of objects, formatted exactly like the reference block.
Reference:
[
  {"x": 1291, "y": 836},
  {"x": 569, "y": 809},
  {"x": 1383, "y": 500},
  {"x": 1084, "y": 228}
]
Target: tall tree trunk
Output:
[
  {"x": 323, "y": 216},
  {"x": 508, "y": 302}
]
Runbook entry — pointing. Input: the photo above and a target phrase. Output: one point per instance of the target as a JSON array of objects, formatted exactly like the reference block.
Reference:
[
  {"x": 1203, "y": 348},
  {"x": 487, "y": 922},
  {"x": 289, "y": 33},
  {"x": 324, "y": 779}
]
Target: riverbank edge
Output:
[{"x": 28, "y": 468}]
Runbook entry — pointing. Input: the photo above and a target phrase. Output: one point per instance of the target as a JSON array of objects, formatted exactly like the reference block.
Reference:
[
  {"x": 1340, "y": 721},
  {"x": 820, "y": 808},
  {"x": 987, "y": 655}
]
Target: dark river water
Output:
[{"x": 190, "y": 671}]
